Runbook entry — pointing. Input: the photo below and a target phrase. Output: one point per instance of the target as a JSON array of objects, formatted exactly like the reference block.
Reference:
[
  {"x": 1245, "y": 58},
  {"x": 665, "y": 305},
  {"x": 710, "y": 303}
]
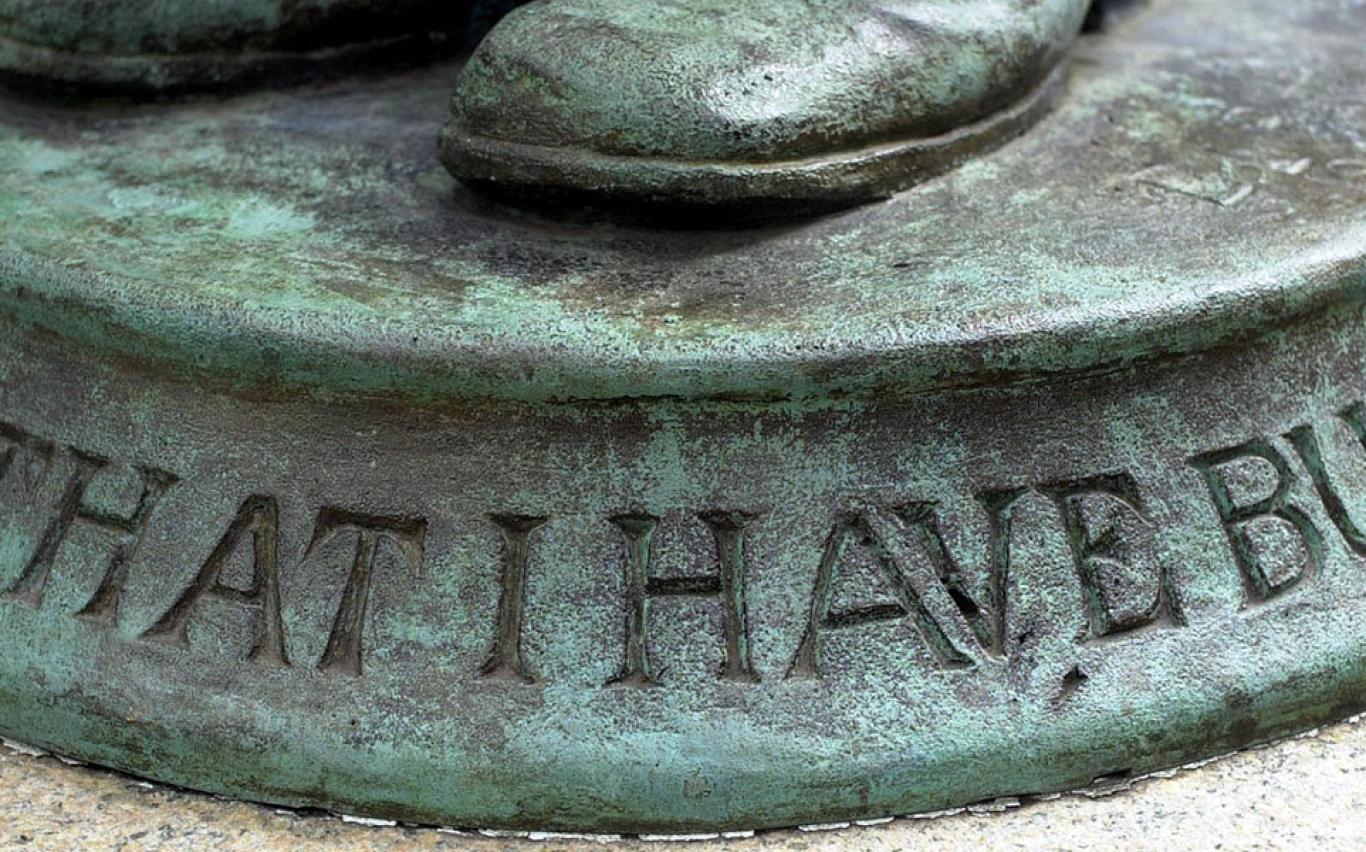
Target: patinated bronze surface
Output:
[
  {"x": 328, "y": 481},
  {"x": 762, "y": 101},
  {"x": 150, "y": 46}
]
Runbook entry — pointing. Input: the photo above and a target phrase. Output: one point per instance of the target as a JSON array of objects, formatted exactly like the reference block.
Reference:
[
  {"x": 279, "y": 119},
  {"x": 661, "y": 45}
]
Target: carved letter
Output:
[
  {"x": 882, "y": 537},
  {"x": 505, "y": 660},
  {"x": 261, "y": 517},
  {"x": 728, "y": 584},
  {"x": 71, "y": 509},
  {"x": 13, "y": 441},
  {"x": 343, "y": 652},
  {"x": 986, "y": 622},
  {"x": 1092, "y": 552},
  {"x": 1306, "y": 444},
  {"x": 1257, "y": 582}
]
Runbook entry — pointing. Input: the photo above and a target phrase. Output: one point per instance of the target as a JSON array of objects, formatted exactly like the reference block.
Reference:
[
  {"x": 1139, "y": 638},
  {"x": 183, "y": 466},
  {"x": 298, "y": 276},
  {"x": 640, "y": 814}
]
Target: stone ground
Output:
[{"x": 1306, "y": 793}]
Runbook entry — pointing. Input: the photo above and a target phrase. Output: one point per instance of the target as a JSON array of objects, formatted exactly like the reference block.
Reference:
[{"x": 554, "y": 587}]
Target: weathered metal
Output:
[
  {"x": 774, "y": 102},
  {"x": 155, "y": 47},
  {"x": 329, "y": 482}
]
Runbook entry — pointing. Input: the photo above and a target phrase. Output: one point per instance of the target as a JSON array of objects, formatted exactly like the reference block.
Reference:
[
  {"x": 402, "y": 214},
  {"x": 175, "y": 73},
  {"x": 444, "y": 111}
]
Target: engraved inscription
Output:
[
  {"x": 1256, "y": 529},
  {"x": 727, "y": 584},
  {"x": 260, "y": 517},
  {"x": 406, "y": 535},
  {"x": 885, "y": 536},
  {"x": 72, "y": 509},
  {"x": 1306, "y": 444},
  {"x": 954, "y": 599},
  {"x": 259, "y": 520},
  {"x": 1096, "y": 548},
  {"x": 505, "y": 659},
  {"x": 19, "y": 447}
]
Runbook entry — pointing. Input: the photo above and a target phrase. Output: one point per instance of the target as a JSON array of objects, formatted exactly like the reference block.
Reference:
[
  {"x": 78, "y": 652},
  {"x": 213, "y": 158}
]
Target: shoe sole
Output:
[
  {"x": 830, "y": 180},
  {"x": 32, "y": 65}
]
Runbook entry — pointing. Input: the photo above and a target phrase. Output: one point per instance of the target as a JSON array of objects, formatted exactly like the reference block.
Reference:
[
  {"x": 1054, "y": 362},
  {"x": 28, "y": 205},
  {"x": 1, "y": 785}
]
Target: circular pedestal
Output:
[{"x": 323, "y": 482}]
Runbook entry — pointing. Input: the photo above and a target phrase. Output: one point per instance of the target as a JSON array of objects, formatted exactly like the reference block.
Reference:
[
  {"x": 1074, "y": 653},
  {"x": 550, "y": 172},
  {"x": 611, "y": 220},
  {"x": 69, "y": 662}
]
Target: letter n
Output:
[{"x": 886, "y": 536}]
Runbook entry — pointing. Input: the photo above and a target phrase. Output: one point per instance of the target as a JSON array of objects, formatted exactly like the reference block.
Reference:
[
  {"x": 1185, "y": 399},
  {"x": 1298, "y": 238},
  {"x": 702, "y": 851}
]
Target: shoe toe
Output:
[{"x": 653, "y": 92}]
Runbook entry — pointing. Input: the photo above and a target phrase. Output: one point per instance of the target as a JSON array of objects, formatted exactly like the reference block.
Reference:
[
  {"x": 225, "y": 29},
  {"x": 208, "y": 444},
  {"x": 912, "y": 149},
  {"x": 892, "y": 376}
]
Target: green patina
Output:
[
  {"x": 779, "y": 103},
  {"x": 282, "y": 297},
  {"x": 928, "y": 290},
  {"x": 141, "y": 47}
]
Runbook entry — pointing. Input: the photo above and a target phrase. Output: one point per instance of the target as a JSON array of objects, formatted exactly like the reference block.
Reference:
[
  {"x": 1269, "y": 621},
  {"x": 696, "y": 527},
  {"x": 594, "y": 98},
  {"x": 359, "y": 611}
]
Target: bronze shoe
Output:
[{"x": 724, "y": 102}]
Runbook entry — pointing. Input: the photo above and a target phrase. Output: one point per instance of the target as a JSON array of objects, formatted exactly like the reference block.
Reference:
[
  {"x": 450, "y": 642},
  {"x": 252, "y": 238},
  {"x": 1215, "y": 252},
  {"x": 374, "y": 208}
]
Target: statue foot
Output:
[
  {"x": 137, "y": 45},
  {"x": 723, "y": 102}
]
